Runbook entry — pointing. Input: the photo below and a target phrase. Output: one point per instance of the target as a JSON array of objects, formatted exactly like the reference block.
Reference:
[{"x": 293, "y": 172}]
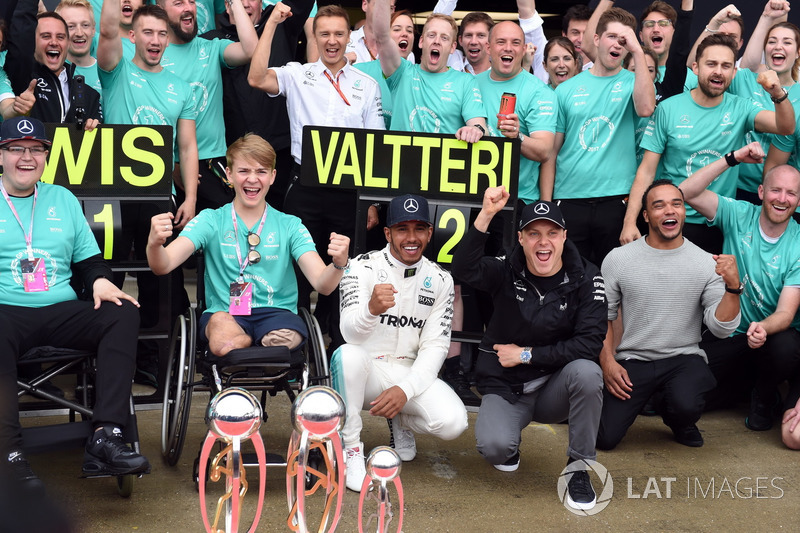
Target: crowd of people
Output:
[{"x": 657, "y": 264}]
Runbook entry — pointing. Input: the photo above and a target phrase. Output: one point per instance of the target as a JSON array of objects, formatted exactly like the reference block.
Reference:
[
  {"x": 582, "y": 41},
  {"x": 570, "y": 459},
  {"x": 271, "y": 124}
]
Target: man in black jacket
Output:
[
  {"x": 37, "y": 49},
  {"x": 252, "y": 110},
  {"x": 538, "y": 358}
]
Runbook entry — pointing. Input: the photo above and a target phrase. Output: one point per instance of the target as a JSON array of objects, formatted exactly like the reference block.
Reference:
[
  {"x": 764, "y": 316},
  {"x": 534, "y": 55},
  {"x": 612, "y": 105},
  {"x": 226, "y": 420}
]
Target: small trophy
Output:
[
  {"x": 233, "y": 415},
  {"x": 318, "y": 414},
  {"x": 383, "y": 466}
]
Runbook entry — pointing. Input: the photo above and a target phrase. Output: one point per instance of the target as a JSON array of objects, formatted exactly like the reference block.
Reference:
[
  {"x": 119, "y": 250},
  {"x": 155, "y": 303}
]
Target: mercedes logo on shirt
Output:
[
  {"x": 411, "y": 206},
  {"x": 541, "y": 209},
  {"x": 25, "y": 127}
]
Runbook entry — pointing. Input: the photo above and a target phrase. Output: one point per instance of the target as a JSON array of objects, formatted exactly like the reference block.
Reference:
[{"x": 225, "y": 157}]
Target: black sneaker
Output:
[
  {"x": 688, "y": 435},
  {"x": 511, "y": 465},
  {"x": 459, "y": 383},
  {"x": 580, "y": 493},
  {"x": 107, "y": 454},
  {"x": 23, "y": 473},
  {"x": 762, "y": 413}
]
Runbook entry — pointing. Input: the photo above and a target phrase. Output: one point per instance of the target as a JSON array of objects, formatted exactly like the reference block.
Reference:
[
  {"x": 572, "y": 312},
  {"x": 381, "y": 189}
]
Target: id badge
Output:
[
  {"x": 34, "y": 275},
  {"x": 241, "y": 298}
]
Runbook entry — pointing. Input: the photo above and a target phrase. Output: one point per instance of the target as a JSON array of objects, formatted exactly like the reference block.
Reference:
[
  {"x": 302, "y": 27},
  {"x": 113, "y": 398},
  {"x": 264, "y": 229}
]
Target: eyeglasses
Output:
[
  {"x": 253, "y": 256},
  {"x": 19, "y": 150},
  {"x": 650, "y": 23}
]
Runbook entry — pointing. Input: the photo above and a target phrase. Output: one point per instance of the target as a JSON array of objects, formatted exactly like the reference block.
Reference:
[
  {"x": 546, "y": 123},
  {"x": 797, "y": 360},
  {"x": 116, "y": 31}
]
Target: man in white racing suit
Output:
[{"x": 396, "y": 311}]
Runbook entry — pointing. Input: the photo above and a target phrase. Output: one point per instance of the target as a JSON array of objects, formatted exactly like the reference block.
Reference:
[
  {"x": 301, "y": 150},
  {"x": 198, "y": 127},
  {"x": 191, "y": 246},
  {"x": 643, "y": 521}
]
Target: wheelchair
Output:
[
  {"x": 74, "y": 433},
  {"x": 191, "y": 368}
]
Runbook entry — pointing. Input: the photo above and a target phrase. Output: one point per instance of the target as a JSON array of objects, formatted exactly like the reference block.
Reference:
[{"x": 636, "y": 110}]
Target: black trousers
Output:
[
  {"x": 684, "y": 381},
  {"x": 111, "y": 331},
  {"x": 322, "y": 210},
  {"x": 738, "y": 368},
  {"x": 594, "y": 224}
]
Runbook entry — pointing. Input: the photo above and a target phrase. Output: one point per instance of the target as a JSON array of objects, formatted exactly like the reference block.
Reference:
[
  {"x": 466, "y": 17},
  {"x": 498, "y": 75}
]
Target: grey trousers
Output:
[{"x": 575, "y": 392}]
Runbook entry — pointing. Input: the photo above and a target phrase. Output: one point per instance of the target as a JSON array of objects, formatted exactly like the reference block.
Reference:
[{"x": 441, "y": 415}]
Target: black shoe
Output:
[
  {"x": 107, "y": 454},
  {"x": 762, "y": 414},
  {"x": 688, "y": 435},
  {"x": 510, "y": 465},
  {"x": 459, "y": 383},
  {"x": 580, "y": 493},
  {"x": 22, "y": 472}
]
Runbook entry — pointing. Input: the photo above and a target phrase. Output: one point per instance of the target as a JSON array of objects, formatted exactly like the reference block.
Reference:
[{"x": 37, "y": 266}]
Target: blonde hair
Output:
[
  {"x": 447, "y": 18},
  {"x": 76, "y": 3},
  {"x": 253, "y": 147}
]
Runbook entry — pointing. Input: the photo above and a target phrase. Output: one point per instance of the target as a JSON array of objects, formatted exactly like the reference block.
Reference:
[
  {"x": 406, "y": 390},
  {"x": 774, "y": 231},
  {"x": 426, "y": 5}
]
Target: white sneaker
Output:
[
  {"x": 403, "y": 441},
  {"x": 355, "y": 467}
]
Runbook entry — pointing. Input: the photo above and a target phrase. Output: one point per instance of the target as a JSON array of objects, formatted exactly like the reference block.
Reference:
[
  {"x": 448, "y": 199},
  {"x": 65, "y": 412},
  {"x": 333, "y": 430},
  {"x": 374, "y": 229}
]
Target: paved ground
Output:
[{"x": 739, "y": 481}]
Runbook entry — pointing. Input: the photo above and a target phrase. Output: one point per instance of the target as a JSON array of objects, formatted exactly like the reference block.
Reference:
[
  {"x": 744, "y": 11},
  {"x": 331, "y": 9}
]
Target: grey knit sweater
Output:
[{"x": 663, "y": 296}]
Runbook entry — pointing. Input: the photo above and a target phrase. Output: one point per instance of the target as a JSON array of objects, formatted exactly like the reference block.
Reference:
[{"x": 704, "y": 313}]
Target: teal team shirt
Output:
[
  {"x": 136, "y": 96},
  {"x": 433, "y": 103},
  {"x": 373, "y": 70},
  {"x": 91, "y": 78},
  {"x": 765, "y": 267},
  {"x": 689, "y": 136},
  {"x": 536, "y": 108},
  {"x": 791, "y": 143},
  {"x": 598, "y": 120},
  {"x": 284, "y": 238},
  {"x": 744, "y": 84},
  {"x": 200, "y": 62},
  {"x": 61, "y": 236}
]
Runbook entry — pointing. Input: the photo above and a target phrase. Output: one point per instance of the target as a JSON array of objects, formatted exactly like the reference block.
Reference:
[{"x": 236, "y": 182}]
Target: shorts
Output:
[{"x": 261, "y": 321}]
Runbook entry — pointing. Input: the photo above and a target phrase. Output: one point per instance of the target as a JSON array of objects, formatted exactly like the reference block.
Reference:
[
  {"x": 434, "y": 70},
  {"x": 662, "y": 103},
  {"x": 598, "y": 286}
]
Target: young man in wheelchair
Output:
[
  {"x": 251, "y": 289},
  {"x": 45, "y": 241}
]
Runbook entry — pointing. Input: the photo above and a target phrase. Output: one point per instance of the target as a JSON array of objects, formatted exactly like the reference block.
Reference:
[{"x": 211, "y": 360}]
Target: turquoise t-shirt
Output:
[
  {"x": 207, "y": 11},
  {"x": 433, "y": 103},
  {"x": 373, "y": 70},
  {"x": 790, "y": 143},
  {"x": 136, "y": 96},
  {"x": 265, "y": 3},
  {"x": 61, "y": 236},
  {"x": 283, "y": 238},
  {"x": 199, "y": 62},
  {"x": 598, "y": 120},
  {"x": 537, "y": 111},
  {"x": 744, "y": 84},
  {"x": 5, "y": 88},
  {"x": 689, "y": 136},
  {"x": 764, "y": 267}
]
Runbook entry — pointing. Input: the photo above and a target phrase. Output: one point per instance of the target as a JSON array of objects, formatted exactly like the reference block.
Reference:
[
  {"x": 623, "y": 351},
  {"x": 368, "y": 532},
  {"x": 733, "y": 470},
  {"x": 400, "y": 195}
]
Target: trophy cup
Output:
[
  {"x": 383, "y": 466},
  {"x": 233, "y": 415},
  {"x": 318, "y": 415}
]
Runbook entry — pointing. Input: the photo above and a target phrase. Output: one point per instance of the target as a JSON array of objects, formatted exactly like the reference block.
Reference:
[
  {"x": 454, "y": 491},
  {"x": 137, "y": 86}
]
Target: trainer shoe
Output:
[
  {"x": 355, "y": 467},
  {"x": 402, "y": 441},
  {"x": 511, "y": 465},
  {"x": 23, "y": 473},
  {"x": 580, "y": 493},
  {"x": 688, "y": 435},
  {"x": 762, "y": 413},
  {"x": 107, "y": 454}
]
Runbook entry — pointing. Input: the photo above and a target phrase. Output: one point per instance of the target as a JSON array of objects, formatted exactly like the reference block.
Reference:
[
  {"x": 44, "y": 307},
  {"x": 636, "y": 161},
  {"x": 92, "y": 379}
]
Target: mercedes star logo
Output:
[
  {"x": 411, "y": 205},
  {"x": 541, "y": 209},
  {"x": 25, "y": 127}
]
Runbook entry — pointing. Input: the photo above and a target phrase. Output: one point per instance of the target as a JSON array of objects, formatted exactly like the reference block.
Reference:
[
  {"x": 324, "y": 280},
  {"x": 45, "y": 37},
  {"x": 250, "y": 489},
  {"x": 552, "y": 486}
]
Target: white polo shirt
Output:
[{"x": 312, "y": 99}]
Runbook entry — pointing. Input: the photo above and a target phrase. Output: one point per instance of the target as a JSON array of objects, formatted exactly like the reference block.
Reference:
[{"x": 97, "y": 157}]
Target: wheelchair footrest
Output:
[
  {"x": 40, "y": 439},
  {"x": 272, "y": 358}
]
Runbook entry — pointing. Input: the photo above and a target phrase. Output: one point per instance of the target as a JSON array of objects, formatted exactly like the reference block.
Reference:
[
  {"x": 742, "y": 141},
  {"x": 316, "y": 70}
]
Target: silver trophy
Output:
[
  {"x": 234, "y": 415},
  {"x": 383, "y": 466},
  {"x": 318, "y": 415}
]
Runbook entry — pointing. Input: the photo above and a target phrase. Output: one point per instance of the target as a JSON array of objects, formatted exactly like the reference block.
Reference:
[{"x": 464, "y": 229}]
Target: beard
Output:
[
  {"x": 711, "y": 92},
  {"x": 182, "y": 35}
]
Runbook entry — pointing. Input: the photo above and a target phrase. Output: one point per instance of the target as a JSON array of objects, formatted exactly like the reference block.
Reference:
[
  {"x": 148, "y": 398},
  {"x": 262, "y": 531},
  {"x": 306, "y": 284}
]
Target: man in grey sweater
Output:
[{"x": 667, "y": 288}]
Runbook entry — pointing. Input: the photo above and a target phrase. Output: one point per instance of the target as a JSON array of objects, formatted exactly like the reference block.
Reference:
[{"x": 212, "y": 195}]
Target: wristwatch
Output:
[
  {"x": 480, "y": 128},
  {"x": 737, "y": 292},
  {"x": 525, "y": 356},
  {"x": 780, "y": 98}
]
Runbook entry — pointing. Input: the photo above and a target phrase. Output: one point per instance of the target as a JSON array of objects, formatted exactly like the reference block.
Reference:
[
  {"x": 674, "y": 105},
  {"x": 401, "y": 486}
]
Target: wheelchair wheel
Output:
[
  {"x": 125, "y": 485},
  {"x": 319, "y": 374},
  {"x": 178, "y": 387}
]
